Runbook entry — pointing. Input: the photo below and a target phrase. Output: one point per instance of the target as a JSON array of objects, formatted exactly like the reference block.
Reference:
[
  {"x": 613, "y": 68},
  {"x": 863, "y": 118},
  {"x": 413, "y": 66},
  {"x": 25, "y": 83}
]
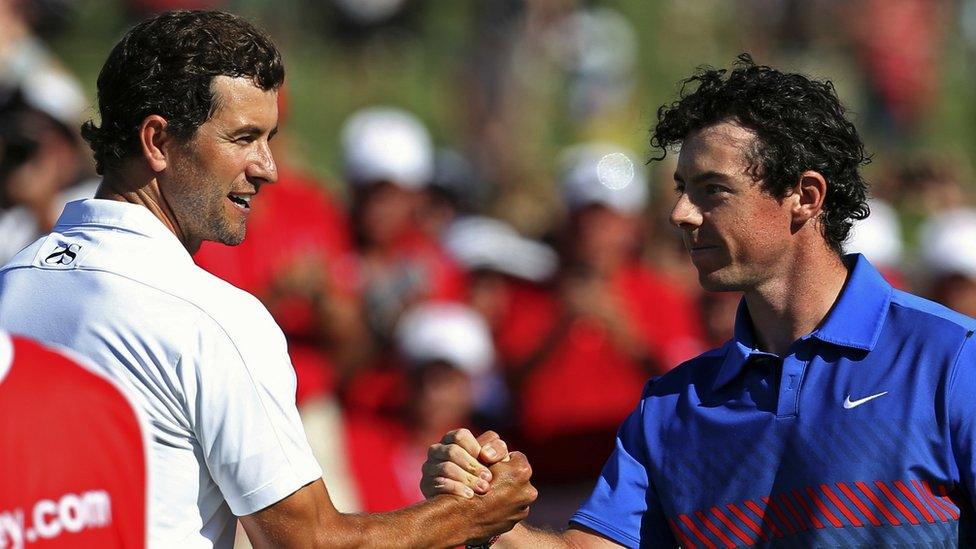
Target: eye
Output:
[
  {"x": 245, "y": 139},
  {"x": 712, "y": 188}
]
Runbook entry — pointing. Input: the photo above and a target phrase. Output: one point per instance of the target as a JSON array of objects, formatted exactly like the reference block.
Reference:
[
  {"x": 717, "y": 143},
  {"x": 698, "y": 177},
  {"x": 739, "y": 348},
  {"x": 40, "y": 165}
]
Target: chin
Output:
[
  {"x": 230, "y": 237},
  {"x": 718, "y": 281},
  {"x": 233, "y": 240}
]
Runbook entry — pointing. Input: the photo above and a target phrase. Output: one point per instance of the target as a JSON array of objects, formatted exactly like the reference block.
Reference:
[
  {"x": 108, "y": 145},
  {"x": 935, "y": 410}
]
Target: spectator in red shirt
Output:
[
  {"x": 578, "y": 354},
  {"x": 388, "y": 161},
  {"x": 447, "y": 351},
  {"x": 73, "y": 459}
]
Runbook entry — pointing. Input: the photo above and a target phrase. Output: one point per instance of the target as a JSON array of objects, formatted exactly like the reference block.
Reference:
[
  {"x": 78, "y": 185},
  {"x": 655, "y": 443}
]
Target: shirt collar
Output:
[
  {"x": 855, "y": 320},
  {"x": 117, "y": 215}
]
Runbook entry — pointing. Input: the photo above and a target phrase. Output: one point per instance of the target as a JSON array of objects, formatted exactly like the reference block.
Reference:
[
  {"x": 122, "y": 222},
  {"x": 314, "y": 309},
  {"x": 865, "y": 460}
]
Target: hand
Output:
[
  {"x": 507, "y": 503},
  {"x": 464, "y": 465},
  {"x": 459, "y": 464}
]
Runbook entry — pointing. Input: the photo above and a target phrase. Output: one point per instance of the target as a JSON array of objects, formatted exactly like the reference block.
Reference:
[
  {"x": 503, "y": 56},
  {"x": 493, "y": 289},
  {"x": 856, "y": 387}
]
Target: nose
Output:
[
  {"x": 685, "y": 215},
  {"x": 262, "y": 166}
]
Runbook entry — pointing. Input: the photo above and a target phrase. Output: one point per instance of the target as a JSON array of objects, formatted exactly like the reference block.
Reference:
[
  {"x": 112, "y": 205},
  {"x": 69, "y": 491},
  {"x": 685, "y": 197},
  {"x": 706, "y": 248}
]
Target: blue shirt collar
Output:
[{"x": 855, "y": 320}]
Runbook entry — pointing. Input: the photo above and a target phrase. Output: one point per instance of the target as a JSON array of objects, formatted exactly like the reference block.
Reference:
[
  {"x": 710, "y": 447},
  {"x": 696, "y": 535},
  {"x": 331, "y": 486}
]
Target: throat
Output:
[{"x": 796, "y": 308}]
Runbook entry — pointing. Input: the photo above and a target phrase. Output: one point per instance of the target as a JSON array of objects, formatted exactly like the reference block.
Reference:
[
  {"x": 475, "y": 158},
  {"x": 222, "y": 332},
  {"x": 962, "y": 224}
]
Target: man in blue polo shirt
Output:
[{"x": 840, "y": 414}]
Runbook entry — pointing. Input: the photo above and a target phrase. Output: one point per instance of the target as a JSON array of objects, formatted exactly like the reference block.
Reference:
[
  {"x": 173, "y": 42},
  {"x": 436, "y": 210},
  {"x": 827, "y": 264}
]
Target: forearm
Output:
[
  {"x": 574, "y": 538},
  {"x": 527, "y": 536},
  {"x": 440, "y": 522}
]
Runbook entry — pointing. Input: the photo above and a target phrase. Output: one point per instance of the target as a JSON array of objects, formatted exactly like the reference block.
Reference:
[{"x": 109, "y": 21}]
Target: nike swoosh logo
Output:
[{"x": 848, "y": 403}]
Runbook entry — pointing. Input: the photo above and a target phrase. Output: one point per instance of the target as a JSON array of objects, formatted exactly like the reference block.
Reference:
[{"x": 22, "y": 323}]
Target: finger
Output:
[
  {"x": 493, "y": 448},
  {"x": 446, "y": 477},
  {"x": 441, "y": 485},
  {"x": 451, "y": 471},
  {"x": 465, "y": 439},
  {"x": 457, "y": 455}
]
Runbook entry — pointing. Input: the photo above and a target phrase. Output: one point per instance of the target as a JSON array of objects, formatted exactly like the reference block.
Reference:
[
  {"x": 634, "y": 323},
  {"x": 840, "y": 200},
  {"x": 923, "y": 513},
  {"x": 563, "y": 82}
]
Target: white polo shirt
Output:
[{"x": 205, "y": 360}]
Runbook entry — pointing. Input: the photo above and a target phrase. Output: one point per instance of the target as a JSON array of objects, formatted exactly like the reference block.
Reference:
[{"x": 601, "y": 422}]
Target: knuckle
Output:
[
  {"x": 523, "y": 470},
  {"x": 450, "y": 436},
  {"x": 487, "y": 436},
  {"x": 438, "y": 469}
]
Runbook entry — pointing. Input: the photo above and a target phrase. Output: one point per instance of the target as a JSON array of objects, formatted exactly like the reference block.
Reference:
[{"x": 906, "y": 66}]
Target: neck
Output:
[
  {"x": 788, "y": 307},
  {"x": 144, "y": 190}
]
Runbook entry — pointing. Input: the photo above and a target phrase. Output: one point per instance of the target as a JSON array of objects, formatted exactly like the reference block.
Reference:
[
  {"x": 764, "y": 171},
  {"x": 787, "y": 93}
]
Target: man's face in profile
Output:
[
  {"x": 217, "y": 172},
  {"x": 737, "y": 233}
]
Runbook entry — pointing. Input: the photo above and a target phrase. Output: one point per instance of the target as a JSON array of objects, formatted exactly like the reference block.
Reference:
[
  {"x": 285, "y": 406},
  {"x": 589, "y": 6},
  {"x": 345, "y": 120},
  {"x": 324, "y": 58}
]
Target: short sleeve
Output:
[
  {"x": 962, "y": 416},
  {"x": 245, "y": 419},
  {"x": 624, "y": 506}
]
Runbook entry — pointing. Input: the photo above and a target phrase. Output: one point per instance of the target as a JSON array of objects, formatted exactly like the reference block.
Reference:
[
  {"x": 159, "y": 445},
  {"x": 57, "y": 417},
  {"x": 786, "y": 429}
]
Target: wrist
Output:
[{"x": 483, "y": 545}]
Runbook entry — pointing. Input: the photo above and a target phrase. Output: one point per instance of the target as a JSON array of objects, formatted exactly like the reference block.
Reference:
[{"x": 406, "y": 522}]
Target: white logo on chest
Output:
[{"x": 848, "y": 403}]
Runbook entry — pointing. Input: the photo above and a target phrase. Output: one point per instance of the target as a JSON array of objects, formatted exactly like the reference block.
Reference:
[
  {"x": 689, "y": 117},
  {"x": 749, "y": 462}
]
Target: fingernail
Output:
[
  {"x": 485, "y": 474},
  {"x": 468, "y": 493},
  {"x": 490, "y": 452},
  {"x": 482, "y": 485}
]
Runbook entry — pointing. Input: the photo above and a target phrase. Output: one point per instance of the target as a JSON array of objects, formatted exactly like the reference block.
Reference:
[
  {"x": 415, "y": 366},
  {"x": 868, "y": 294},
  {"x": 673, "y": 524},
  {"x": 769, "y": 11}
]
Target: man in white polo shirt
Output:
[{"x": 188, "y": 105}]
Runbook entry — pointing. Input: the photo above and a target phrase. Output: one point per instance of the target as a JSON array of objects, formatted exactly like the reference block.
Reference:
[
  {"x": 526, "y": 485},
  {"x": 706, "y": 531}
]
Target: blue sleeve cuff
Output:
[{"x": 606, "y": 530}]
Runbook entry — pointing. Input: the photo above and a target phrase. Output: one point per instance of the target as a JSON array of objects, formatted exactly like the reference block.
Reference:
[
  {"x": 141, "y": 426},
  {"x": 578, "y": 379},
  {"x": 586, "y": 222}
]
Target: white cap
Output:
[
  {"x": 387, "y": 144},
  {"x": 878, "y": 236},
  {"x": 446, "y": 331},
  {"x": 601, "y": 173},
  {"x": 948, "y": 242},
  {"x": 45, "y": 86},
  {"x": 484, "y": 243}
]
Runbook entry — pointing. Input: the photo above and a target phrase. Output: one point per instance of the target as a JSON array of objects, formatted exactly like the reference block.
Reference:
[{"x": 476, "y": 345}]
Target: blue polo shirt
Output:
[{"x": 863, "y": 434}]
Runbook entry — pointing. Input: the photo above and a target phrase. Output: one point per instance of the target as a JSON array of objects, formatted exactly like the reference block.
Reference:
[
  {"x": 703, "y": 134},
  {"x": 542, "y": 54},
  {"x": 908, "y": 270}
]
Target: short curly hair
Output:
[
  {"x": 166, "y": 65},
  {"x": 800, "y": 125}
]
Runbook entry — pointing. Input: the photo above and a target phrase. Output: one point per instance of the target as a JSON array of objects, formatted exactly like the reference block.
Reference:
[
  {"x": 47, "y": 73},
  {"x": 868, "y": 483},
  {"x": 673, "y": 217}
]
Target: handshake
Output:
[{"x": 481, "y": 470}]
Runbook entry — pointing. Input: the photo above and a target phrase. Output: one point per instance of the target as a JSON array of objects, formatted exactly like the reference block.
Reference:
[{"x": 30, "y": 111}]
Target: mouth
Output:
[{"x": 241, "y": 200}]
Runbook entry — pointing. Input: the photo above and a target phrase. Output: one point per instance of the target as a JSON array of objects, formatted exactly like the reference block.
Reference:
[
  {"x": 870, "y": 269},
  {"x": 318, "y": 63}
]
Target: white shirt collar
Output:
[{"x": 117, "y": 215}]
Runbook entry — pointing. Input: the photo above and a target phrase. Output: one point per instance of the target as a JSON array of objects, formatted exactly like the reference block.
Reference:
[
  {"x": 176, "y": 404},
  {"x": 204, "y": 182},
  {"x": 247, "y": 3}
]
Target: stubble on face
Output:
[
  {"x": 216, "y": 173},
  {"x": 202, "y": 200}
]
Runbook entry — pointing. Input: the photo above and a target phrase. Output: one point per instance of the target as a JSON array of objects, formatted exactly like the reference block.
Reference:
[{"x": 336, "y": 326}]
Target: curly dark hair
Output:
[
  {"x": 165, "y": 65},
  {"x": 799, "y": 124}
]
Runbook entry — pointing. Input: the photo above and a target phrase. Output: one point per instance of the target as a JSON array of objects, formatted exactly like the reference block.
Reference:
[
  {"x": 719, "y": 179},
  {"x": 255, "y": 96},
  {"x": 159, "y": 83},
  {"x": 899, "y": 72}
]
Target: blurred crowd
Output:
[{"x": 436, "y": 291}]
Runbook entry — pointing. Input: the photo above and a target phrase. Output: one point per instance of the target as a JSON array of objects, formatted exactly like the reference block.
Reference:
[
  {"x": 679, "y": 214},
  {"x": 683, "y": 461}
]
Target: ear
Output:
[
  {"x": 808, "y": 197},
  {"x": 154, "y": 142}
]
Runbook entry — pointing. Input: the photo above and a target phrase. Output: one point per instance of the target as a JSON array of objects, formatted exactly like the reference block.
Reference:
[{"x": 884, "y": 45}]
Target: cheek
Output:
[{"x": 760, "y": 232}]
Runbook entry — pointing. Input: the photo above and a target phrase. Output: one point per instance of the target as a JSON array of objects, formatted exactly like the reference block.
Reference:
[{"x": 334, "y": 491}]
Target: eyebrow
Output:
[{"x": 701, "y": 177}]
